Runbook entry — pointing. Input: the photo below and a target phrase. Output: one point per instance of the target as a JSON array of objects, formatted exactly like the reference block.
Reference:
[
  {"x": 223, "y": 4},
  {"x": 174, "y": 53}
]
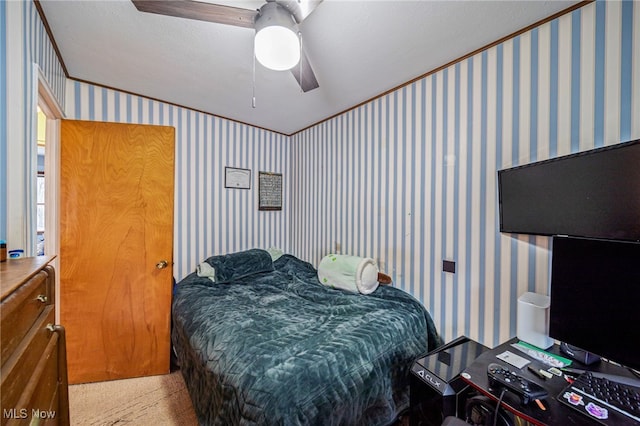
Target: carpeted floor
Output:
[{"x": 154, "y": 400}]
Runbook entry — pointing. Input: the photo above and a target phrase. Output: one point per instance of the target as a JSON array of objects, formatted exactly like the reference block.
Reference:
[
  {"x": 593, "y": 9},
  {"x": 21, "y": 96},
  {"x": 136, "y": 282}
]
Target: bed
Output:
[{"x": 266, "y": 343}]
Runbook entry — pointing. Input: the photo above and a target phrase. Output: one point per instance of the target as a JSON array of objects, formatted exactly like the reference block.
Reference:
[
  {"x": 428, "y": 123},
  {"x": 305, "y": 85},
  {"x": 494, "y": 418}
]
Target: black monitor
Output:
[
  {"x": 594, "y": 194},
  {"x": 595, "y": 297}
]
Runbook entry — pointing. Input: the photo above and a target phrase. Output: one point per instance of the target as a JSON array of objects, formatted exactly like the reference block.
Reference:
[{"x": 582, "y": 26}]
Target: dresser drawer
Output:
[
  {"x": 33, "y": 368},
  {"x": 20, "y": 310},
  {"x": 36, "y": 401},
  {"x": 21, "y": 365}
]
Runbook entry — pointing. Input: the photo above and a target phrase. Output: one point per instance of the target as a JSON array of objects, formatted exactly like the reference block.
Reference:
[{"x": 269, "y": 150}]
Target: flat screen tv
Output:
[
  {"x": 594, "y": 193},
  {"x": 595, "y": 289}
]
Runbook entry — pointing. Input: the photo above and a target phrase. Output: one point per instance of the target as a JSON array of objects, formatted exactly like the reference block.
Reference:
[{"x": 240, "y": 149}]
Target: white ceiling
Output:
[{"x": 358, "y": 50}]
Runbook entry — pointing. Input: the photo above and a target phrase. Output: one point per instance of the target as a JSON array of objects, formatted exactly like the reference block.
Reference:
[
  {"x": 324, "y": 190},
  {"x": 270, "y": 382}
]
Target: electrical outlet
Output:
[
  {"x": 449, "y": 266},
  {"x": 338, "y": 247}
]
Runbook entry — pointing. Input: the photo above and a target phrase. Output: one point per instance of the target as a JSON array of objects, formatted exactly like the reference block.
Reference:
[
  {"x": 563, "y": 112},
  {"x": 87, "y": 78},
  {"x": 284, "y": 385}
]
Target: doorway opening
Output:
[{"x": 40, "y": 183}]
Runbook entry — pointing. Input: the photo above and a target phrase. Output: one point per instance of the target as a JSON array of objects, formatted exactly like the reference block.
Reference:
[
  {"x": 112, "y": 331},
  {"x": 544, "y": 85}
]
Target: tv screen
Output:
[
  {"x": 595, "y": 289},
  {"x": 594, "y": 194}
]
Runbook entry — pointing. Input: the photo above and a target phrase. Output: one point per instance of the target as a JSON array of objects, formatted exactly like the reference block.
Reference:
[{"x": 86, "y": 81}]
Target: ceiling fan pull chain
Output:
[
  {"x": 253, "y": 94},
  {"x": 300, "y": 62}
]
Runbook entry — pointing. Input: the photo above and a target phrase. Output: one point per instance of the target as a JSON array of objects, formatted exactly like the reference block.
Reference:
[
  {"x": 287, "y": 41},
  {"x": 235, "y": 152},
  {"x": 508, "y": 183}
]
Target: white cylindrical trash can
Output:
[{"x": 533, "y": 320}]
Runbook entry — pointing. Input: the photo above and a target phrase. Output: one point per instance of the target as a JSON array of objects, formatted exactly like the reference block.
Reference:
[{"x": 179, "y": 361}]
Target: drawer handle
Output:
[
  {"x": 53, "y": 328},
  {"x": 42, "y": 298}
]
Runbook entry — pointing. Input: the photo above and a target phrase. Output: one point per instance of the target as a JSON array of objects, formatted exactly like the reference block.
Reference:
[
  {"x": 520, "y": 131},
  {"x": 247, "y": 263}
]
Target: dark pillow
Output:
[{"x": 233, "y": 266}]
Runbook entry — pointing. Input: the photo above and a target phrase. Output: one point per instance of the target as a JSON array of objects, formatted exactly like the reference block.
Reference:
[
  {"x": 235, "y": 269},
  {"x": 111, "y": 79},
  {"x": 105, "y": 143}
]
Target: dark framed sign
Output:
[
  {"x": 237, "y": 178},
  {"x": 269, "y": 191}
]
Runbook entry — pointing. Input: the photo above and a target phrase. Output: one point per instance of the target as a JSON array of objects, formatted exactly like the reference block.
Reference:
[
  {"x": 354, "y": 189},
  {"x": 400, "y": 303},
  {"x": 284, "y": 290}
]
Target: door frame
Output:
[{"x": 45, "y": 99}]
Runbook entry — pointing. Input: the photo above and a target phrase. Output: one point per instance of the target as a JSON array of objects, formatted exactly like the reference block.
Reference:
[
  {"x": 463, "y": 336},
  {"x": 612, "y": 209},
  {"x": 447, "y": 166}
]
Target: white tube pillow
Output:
[{"x": 351, "y": 273}]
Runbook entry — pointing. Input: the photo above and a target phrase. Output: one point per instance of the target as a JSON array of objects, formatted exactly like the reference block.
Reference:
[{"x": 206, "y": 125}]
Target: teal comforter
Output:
[{"x": 277, "y": 347}]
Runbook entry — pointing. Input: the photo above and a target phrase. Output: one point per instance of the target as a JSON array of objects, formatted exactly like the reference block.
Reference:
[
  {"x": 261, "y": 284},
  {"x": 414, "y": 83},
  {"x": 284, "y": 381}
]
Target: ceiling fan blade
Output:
[
  {"x": 299, "y": 9},
  {"x": 304, "y": 74},
  {"x": 201, "y": 11}
]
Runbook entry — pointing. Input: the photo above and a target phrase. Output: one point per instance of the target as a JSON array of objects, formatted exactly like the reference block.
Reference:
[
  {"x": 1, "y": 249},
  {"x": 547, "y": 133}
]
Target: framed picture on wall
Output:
[
  {"x": 237, "y": 178},
  {"x": 269, "y": 191}
]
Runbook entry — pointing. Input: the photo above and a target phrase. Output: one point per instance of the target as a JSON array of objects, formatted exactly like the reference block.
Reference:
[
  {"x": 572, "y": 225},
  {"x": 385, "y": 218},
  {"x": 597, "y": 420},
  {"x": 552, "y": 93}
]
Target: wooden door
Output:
[{"x": 116, "y": 229}]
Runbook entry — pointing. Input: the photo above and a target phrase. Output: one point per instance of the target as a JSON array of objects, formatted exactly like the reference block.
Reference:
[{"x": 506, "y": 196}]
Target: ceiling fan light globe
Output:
[{"x": 277, "y": 48}]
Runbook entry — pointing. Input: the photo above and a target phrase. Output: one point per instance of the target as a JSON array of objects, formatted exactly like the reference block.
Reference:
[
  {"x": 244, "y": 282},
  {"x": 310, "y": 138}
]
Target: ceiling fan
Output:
[{"x": 285, "y": 14}]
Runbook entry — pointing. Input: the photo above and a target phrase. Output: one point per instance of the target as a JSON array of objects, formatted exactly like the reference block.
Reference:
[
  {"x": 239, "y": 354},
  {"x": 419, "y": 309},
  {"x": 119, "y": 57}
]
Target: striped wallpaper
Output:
[
  {"x": 209, "y": 219},
  {"x": 24, "y": 43},
  {"x": 410, "y": 178}
]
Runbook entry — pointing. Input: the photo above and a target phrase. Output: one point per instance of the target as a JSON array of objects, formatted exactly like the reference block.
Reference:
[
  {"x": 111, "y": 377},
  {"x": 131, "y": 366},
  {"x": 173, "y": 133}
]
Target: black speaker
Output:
[{"x": 436, "y": 388}]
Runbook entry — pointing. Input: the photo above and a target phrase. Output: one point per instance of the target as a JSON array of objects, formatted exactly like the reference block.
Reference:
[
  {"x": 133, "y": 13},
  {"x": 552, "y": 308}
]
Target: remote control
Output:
[{"x": 500, "y": 376}]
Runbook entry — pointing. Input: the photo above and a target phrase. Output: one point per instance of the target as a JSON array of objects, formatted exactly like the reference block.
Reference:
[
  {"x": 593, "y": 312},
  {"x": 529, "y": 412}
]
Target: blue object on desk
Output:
[{"x": 15, "y": 254}]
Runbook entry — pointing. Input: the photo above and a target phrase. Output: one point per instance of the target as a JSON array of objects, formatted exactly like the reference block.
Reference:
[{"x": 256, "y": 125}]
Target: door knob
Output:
[{"x": 162, "y": 264}]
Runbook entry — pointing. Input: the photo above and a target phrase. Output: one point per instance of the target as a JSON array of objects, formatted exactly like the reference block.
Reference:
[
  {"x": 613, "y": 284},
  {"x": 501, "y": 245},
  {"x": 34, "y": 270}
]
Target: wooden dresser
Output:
[{"x": 34, "y": 386}]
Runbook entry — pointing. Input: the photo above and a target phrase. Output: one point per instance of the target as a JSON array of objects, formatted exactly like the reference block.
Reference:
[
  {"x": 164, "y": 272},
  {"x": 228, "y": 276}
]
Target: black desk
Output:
[{"x": 556, "y": 412}]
